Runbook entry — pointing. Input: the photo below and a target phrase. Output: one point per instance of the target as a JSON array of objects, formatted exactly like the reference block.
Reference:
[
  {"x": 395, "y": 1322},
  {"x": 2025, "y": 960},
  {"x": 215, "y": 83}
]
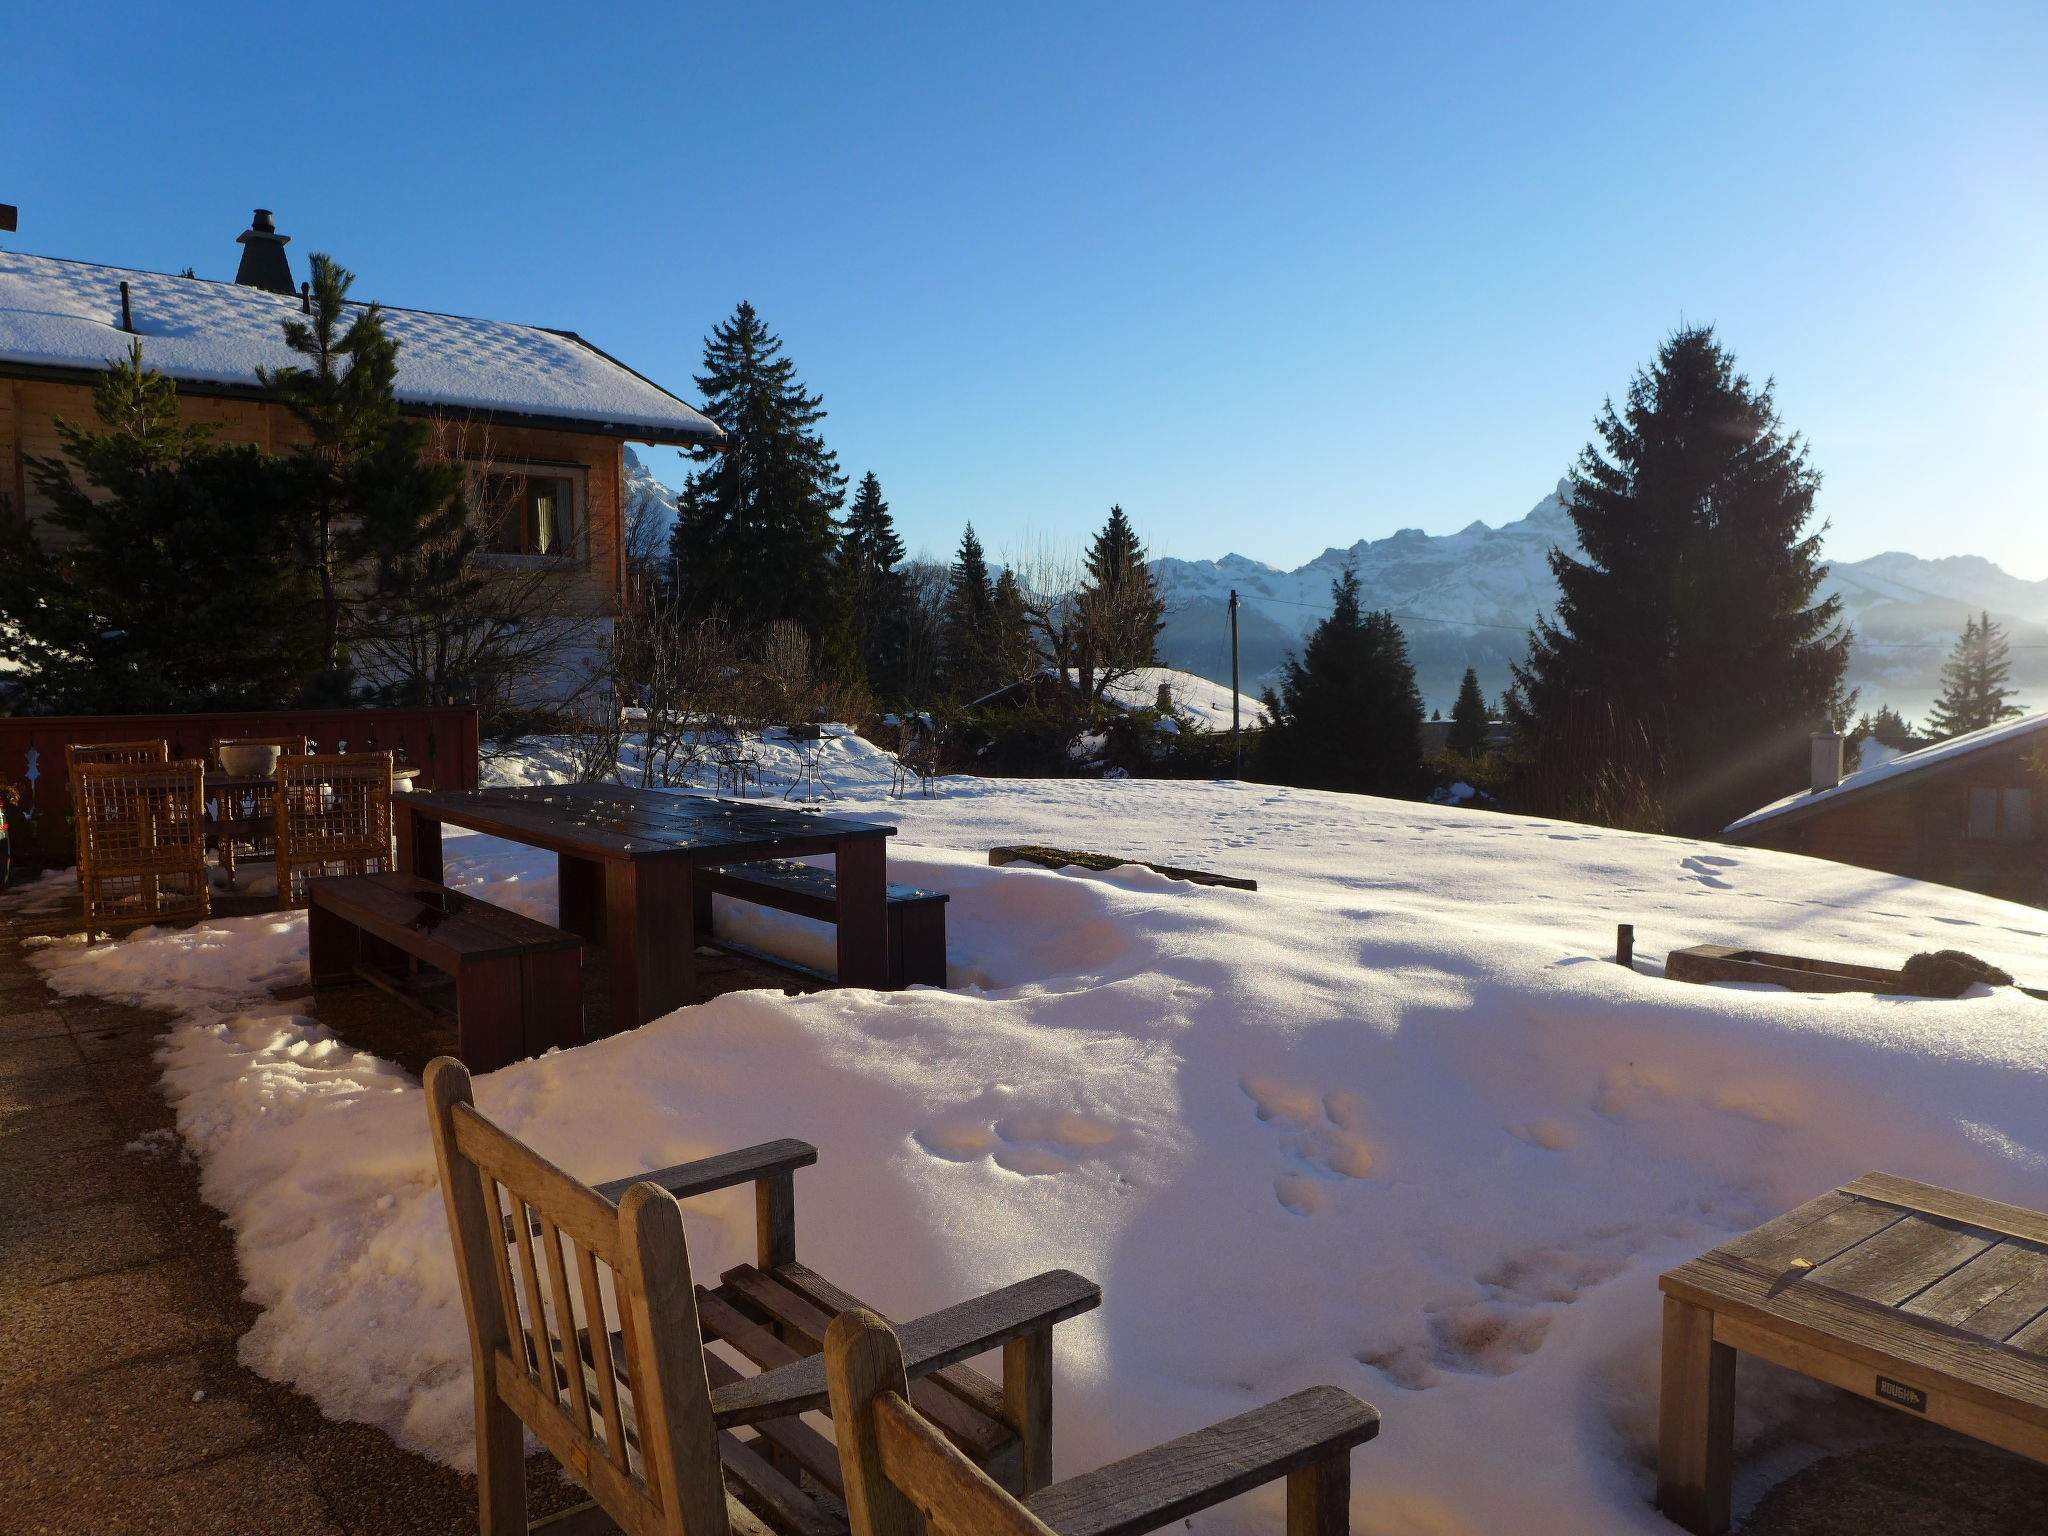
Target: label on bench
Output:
[{"x": 1898, "y": 1392}]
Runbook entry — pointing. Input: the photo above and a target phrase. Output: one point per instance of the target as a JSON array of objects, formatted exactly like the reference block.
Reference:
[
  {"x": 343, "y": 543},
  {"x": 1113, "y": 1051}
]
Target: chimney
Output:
[
  {"x": 1827, "y": 760},
  {"x": 264, "y": 263}
]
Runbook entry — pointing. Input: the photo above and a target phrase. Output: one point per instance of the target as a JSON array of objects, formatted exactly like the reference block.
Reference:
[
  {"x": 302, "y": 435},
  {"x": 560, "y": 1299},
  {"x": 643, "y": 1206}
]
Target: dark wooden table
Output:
[
  {"x": 1921, "y": 1298},
  {"x": 628, "y": 859}
]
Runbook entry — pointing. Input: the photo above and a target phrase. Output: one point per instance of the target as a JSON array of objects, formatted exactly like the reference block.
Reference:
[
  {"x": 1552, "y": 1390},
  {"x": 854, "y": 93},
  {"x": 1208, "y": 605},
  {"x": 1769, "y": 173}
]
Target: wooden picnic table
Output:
[
  {"x": 628, "y": 860},
  {"x": 1924, "y": 1299}
]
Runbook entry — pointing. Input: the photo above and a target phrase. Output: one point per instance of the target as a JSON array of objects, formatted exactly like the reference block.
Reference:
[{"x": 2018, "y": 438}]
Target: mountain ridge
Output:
[{"x": 1469, "y": 598}]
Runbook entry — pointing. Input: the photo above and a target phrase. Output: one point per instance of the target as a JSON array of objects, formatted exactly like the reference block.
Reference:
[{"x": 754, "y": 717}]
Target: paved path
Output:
[{"x": 122, "y": 1406}]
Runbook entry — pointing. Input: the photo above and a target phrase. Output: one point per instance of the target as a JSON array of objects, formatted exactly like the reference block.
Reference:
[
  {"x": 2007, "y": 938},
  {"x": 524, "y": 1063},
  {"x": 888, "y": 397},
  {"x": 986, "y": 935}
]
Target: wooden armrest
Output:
[
  {"x": 720, "y": 1172},
  {"x": 931, "y": 1343},
  {"x": 1174, "y": 1480}
]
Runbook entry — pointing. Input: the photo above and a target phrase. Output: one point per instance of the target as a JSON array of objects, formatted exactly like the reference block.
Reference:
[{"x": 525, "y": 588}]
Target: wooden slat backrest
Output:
[
  {"x": 79, "y": 754},
  {"x": 896, "y": 1464},
  {"x": 547, "y": 1267},
  {"x": 333, "y": 817}
]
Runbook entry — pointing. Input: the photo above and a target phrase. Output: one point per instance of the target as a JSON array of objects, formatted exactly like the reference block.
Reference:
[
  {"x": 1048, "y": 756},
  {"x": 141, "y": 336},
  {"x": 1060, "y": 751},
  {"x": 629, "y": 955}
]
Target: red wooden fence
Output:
[{"x": 441, "y": 743}]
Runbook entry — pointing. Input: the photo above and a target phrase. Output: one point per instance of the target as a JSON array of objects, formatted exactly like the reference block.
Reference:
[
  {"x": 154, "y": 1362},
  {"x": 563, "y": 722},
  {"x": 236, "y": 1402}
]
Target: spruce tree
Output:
[
  {"x": 1119, "y": 609},
  {"x": 966, "y": 664},
  {"x": 1688, "y": 651},
  {"x": 381, "y": 521},
  {"x": 1973, "y": 690},
  {"x": 1347, "y": 715},
  {"x": 756, "y": 538},
  {"x": 1010, "y": 651},
  {"x": 870, "y": 558},
  {"x": 1469, "y": 720},
  {"x": 1887, "y": 726},
  {"x": 175, "y": 584}
]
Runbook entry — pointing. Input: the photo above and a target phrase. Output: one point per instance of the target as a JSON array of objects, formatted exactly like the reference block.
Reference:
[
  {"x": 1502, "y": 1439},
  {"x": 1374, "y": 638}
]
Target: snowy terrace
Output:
[{"x": 1390, "y": 1122}]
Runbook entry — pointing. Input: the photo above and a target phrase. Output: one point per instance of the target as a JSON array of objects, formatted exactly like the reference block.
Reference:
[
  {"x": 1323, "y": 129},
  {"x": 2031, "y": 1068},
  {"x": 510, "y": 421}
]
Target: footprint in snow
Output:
[
  {"x": 1704, "y": 870},
  {"x": 1319, "y": 1139},
  {"x": 1030, "y": 1142}
]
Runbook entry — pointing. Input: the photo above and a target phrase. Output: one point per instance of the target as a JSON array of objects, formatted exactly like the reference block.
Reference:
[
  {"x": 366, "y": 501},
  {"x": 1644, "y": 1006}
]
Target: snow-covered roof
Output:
[
  {"x": 66, "y": 315},
  {"x": 1194, "y": 695},
  {"x": 1942, "y": 754}
]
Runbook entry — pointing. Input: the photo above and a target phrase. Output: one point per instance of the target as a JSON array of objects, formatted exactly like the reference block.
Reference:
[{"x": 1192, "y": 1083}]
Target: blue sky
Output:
[{"x": 1274, "y": 278}]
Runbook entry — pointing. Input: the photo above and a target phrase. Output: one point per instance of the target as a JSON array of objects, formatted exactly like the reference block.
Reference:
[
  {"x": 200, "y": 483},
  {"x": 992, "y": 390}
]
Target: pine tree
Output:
[
  {"x": 175, "y": 585},
  {"x": 1469, "y": 720},
  {"x": 966, "y": 665},
  {"x": 1887, "y": 726},
  {"x": 1973, "y": 690},
  {"x": 1347, "y": 714},
  {"x": 1118, "y": 612},
  {"x": 382, "y": 521},
  {"x": 756, "y": 538},
  {"x": 1688, "y": 653},
  {"x": 870, "y": 558},
  {"x": 1010, "y": 651}
]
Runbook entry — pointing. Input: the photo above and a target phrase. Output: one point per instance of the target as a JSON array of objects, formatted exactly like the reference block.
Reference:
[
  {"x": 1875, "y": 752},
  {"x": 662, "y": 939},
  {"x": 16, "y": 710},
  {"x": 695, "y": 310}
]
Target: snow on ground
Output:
[{"x": 1390, "y": 1122}]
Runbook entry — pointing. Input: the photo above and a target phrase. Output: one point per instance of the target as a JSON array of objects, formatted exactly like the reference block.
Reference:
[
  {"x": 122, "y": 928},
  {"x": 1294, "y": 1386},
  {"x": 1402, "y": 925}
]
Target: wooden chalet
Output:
[
  {"x": 541, "y": 416},
  {"x": 1965, "y": 812}
]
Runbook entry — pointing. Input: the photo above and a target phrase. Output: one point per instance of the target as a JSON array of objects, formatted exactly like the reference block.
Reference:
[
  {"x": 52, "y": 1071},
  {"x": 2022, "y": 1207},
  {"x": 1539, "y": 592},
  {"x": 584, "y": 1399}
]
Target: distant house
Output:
[
  {"x": 1966, "y": 812},
  {"x": 1436, "y": 736},
  {"x": 541, "y": 416}
]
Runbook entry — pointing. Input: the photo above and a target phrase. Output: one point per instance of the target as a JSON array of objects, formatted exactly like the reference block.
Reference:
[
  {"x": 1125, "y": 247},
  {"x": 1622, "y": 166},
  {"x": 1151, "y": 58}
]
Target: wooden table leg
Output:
[
  {"x": 649, "y": 913},
  {"x": 862, "y": 886},
  {"x": 1696, "y": 1421},
  {"x": 419, "y": 843},
  {"x": 580, "y": 897}
]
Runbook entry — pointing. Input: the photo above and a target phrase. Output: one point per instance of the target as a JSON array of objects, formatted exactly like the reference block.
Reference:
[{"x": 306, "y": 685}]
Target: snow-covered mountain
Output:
[
  {"x": 1466, "y": 599},
  {"x": 650, "y": 511}
]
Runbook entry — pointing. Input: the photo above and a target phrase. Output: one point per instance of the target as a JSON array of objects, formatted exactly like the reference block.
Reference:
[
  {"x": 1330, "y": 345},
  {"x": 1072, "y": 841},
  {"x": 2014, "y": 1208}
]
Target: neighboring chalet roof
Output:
[
  {"x": 1859, "y": 785},
  {"x": 63, "y": 318},
  {"x": 1193, "y": 694}
]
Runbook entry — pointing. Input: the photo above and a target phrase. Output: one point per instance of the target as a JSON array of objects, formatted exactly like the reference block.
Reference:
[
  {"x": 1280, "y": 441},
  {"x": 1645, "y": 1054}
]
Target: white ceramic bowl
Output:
[{"x": 249, "y": 762}]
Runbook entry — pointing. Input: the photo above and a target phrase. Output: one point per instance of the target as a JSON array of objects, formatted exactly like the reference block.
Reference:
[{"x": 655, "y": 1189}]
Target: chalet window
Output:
[
  {"x": 522, "y": 510},
  {"x": 2001, "y": 815}
]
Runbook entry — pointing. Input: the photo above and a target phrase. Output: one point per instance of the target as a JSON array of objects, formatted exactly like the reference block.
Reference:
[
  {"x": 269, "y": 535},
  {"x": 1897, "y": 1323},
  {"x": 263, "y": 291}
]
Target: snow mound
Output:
[{"x": 1392, "y": 1121}]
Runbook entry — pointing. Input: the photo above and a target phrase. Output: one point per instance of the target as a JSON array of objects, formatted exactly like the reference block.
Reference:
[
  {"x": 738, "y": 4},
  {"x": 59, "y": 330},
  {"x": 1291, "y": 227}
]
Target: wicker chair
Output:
[
  {"x": 141, "y": 841},
  {"x": 246, "y": 818},
  {"x": 333, "y": 818}
]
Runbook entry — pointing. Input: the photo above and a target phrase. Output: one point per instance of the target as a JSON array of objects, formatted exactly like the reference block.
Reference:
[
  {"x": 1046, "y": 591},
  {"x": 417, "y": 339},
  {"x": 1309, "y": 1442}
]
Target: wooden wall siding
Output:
[
  {"x": 1918, "y": 825},
  {"x": 29, "y": 408},
  {"x": 442, "y": 743}
]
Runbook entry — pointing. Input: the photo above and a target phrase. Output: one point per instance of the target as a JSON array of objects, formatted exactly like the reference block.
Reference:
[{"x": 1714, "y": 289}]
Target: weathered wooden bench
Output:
[
  {"x": 518, "y": 983},
  {"x": 1063, "y": 858},
  {"x": 1928, "y": 1301},
  {"x": 917, "y": 918}
]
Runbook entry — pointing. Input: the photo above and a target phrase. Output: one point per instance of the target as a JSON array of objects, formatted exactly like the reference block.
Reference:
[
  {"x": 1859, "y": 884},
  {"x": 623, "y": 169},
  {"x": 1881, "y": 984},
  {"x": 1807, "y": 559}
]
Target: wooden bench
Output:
[
  {"x": 917, "y": 918},
  {"x": 518, "y": 983},
  {"x": 1076, "y": 858},
  {"x": 1928, "y": 1301}
]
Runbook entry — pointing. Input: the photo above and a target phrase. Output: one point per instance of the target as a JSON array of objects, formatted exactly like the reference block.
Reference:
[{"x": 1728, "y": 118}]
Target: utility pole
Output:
[{"x": 1236, "y": 737}]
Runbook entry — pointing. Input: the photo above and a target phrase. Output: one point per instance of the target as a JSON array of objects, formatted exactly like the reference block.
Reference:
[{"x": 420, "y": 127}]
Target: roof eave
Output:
[
  {"x": 1815, "y": 804},
  {"x": 632, "y": 432}
]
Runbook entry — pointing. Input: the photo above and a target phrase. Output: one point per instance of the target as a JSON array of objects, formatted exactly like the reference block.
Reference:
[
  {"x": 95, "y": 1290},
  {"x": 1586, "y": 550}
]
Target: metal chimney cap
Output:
[{"x": 262, "y": 227}]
